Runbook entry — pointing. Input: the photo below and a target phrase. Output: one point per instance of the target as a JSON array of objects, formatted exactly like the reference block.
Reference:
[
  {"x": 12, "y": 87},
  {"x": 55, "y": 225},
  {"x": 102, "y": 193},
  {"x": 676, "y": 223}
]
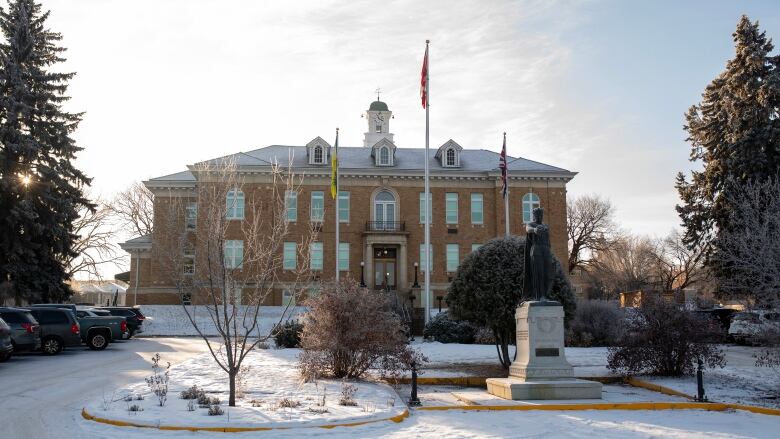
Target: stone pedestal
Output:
[{"x": 540, "y": 370}]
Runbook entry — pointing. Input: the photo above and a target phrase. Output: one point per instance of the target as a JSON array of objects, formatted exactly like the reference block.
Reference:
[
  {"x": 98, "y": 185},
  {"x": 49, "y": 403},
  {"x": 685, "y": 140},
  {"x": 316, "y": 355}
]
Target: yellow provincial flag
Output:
[{"x": 334, "y": 168}]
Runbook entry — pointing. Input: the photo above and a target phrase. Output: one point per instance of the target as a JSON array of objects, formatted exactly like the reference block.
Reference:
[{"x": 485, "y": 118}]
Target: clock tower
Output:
[{"x": 378, "y": 117}]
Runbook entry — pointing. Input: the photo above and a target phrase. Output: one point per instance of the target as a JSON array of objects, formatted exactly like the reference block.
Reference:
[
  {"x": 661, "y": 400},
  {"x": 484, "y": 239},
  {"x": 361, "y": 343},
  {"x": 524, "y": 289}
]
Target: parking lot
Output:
[{"x": 42, "y": 394}]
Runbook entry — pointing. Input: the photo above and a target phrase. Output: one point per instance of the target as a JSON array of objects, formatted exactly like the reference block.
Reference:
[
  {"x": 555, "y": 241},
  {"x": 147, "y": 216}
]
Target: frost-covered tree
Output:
[
  {"x": 488, "y": 287},
  {"x": 734, "y": 133},
  {"x": 750, "y": 253},
  {"x": 41, "y": 191}
]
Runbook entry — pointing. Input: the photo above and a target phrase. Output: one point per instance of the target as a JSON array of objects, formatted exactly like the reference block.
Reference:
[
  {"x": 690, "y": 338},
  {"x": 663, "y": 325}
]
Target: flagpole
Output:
[
  {"x": 338, "y": 243},
  {"x": 506, "y": 196},
  {"x": 427, "y": 189}
]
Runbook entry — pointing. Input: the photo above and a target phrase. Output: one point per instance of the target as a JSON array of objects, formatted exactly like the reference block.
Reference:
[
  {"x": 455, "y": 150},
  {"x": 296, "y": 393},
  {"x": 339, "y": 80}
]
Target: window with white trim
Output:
[
  {"x": 343, "y": 256},
  {"x": 235, "y": 204},
  {"x": 289, "y": 256},
  {"x": 316, "y": 256},
  {"x": 422, "y": 207},
  {"x": 530, "y": 202},
  {"x": 422, "y": 256},
  {"x": 451, "y": 207},
  {"x": 188, "y": 259},
  {"x": 191, "y": 216},
  {"x": 288, "y": 297},
  {"x": 450, "y": 157},
  {"x": 317, "y": 205},
  {"x": 452, "y": 257},
  {"x": 477, "y": 209},
  {"x": 318, "y": 158},
  {"x": 234, "y": 253},
  {"x": 384, "y": 155},
  {"x": 291, "y": 205},
  {"x": 343, "y": 207}
]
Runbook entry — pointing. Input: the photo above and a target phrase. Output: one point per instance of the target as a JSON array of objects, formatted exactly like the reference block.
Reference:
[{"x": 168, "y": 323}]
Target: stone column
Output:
[
  {"x": 368, "y": 258},
  {"x": 402, "y": 272}
]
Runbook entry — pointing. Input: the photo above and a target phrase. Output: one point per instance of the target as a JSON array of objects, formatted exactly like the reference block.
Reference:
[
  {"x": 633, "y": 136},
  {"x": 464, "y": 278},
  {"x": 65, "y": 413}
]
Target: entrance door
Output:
[{"x": 384, "y": 268}]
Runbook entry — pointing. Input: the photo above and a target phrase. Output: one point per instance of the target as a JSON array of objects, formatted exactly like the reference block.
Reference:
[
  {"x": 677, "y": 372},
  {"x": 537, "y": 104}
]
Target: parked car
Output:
[
  {"x": 6, "y": 347},
  {"x": 752, "y": 326},
  {"x": 96, "y": 331},
  {"x": 59, "y": 329},
  {"x": 25, "y": 331},
  {"x": 133, "y": 315}
]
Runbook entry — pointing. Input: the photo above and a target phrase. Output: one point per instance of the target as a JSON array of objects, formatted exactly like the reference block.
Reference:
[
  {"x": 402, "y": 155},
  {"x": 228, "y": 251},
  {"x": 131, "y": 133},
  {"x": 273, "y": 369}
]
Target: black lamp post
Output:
[
  {"x": 387, "y": 282},
  {"x": 416, "y": 267},
  {"x": 362, "y": 277},
  {"x": 439, "y": 298},
  {"x": 414, "y": 401},
  {"x": 411, "y": 316}
]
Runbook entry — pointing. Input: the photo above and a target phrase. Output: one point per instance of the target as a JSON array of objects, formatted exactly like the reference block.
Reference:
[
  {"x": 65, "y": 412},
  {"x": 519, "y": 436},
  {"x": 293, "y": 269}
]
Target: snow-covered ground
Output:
[
  {"x": 271, "y": 378},
  {"x": 172, "y": 320}
]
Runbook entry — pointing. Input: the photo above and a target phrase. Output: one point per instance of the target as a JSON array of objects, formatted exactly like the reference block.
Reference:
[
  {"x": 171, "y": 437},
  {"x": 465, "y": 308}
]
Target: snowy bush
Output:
[
  {"x": 484, "y": 336},
  {"x": 595, "y": 323},
  {"x": 288, "y": 335},
  {"x": 216, "y": 410},
  {"x": 289, "y": 403},
  {"x": 348, "y": 394},
  {"x": 158, "y": 382},
  {"x": 194, "y": 392},
  {"x": 663, "y": 339},
  {"x": 349, "y": 330},
  {"x": 443, "y": 329}
]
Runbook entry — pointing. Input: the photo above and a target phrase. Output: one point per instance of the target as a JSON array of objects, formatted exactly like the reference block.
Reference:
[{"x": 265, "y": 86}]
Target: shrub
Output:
[
  {"x": 194, "y": 392},
  {"x": 443, "y": 329},
  {"x": 662, "y": 339},
  {"x": 595, "y": 323},
  {"x": 215, "y": 410},
  {"x": 487, "y": 289},
  {"x": 288, "y": 335},
  {"x": 158, "y": 382},
  {"x": 484, "y": 336},
  {"x": 191, "y": 405},
  {"x": 135, "y": 408},
  {"x": 348, "y": 394},
  {"x": 289, "y": 403},
  {"x": 348, "y": 330}
]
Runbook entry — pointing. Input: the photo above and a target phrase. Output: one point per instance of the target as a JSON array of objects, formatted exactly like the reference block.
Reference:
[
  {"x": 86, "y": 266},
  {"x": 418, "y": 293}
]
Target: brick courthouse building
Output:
[{"x": 380, "y": 210}]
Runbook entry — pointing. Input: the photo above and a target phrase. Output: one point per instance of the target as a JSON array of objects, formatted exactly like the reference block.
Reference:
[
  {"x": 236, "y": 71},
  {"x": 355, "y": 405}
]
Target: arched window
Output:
[
  {"x": 384, "y": 156},
  {"x": 317, "y": 154},
  {"x": 451, "y": 157},
  {"x": 384, "y": 211},
  {"x": 530, "y": 202}
]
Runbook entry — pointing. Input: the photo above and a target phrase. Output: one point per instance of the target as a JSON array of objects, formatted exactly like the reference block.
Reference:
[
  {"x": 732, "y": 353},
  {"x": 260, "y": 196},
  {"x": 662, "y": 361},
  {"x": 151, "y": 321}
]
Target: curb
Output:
[
  {"x": 595, "y": 406},
  {"x": 472, "y": 381},
  {"x": 86, "y": 415},
  {"x": 631, "y": 381}
]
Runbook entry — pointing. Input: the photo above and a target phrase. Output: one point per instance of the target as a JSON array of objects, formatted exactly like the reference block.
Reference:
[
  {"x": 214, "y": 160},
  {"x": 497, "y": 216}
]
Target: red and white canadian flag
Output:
[{"x": 424, "y": 80}]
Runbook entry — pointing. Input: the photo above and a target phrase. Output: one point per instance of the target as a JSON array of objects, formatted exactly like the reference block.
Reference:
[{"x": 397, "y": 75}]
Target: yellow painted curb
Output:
[
  {"x": 655, "y": 387},
  {"x": 86, "y": 415},
  {"x": 755, "y": 409},
  {"x": 472, "y": 381}
]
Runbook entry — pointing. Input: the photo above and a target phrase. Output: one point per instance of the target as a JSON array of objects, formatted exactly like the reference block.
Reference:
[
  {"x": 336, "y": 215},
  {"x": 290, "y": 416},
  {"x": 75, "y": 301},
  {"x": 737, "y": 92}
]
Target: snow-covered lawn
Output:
[
  {"x": 271, "y": 379},
  {"x": 172, "y": 320}
]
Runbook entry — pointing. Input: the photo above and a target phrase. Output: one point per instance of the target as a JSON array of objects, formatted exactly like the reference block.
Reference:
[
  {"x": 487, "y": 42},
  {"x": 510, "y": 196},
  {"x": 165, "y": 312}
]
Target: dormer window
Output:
[
  {"x": 383, "y": 153},
  {"x": 449, "y": 154},
  {"x": 317, "y": 151},
  {"x": 451, "y": 157},
  {"x": 384, "y": 156}
]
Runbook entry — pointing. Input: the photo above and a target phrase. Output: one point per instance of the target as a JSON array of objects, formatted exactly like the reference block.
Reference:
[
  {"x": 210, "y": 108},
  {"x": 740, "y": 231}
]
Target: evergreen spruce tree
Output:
[
  {"x": 735, "y": 133},
  {"x": 40, "y": 189}
]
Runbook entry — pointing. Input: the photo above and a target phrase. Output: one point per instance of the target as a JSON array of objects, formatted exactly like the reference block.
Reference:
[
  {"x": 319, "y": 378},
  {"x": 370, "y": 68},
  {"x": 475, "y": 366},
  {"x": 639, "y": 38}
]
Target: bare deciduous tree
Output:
[
  {"x": 677, "y": 265},
  {"x": 95, "y": 246},
  {"x": 748, "y": 254},
  {"x": 232, "y": 287},
  {"x": 134, "y": 207},
  {"x": 590, "y": 228},
  {"x": 627, "y": 265}
]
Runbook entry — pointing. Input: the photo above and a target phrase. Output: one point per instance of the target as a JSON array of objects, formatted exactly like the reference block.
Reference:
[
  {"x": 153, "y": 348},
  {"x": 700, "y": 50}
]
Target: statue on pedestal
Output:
[{"x": 538, "y": 271}]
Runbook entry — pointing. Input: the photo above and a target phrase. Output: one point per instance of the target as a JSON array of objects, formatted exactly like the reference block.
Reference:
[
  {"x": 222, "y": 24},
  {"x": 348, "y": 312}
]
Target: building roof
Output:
[
  {"x": 357, "y": 158},
  {"x": 378, "y": 106}
]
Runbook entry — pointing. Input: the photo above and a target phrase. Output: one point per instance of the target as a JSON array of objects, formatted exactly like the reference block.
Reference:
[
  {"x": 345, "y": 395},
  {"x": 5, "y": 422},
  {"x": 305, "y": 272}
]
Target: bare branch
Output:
[
  {"x": 590, "y": 228},
  {"x": 134, "y": 207}
]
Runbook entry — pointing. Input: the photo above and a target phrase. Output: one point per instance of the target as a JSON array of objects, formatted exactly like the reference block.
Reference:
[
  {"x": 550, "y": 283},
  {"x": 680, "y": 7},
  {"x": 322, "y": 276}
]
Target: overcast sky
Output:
[{"x": 597, "y": 87}]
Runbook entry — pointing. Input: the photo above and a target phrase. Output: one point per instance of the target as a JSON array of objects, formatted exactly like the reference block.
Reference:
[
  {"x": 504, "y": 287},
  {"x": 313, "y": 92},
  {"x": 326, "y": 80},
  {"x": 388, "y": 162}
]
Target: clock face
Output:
[{"x": 379, "y": 118}]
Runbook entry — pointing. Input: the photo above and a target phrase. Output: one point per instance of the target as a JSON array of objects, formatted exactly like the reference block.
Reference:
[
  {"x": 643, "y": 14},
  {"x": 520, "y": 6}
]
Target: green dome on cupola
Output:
[{"x": 378, "y": 106}]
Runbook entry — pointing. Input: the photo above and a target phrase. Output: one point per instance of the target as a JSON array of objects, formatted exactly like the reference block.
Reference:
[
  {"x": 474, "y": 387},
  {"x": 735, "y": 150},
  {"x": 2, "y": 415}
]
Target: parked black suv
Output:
[
  {"x": 59, "y": 329},
  {"x": 25, "y": 331},
  {"x": 132, "y": 315}
]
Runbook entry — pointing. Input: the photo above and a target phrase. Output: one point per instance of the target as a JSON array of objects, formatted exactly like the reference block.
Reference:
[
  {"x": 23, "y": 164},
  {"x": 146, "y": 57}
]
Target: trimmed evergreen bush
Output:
[
  {"x": 443, "y": 329},
  {"x": 288, "y": 335}
]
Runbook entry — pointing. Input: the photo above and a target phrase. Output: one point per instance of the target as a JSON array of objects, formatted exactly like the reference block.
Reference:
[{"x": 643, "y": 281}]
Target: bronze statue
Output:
[{"x": 538, "y": 271}]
